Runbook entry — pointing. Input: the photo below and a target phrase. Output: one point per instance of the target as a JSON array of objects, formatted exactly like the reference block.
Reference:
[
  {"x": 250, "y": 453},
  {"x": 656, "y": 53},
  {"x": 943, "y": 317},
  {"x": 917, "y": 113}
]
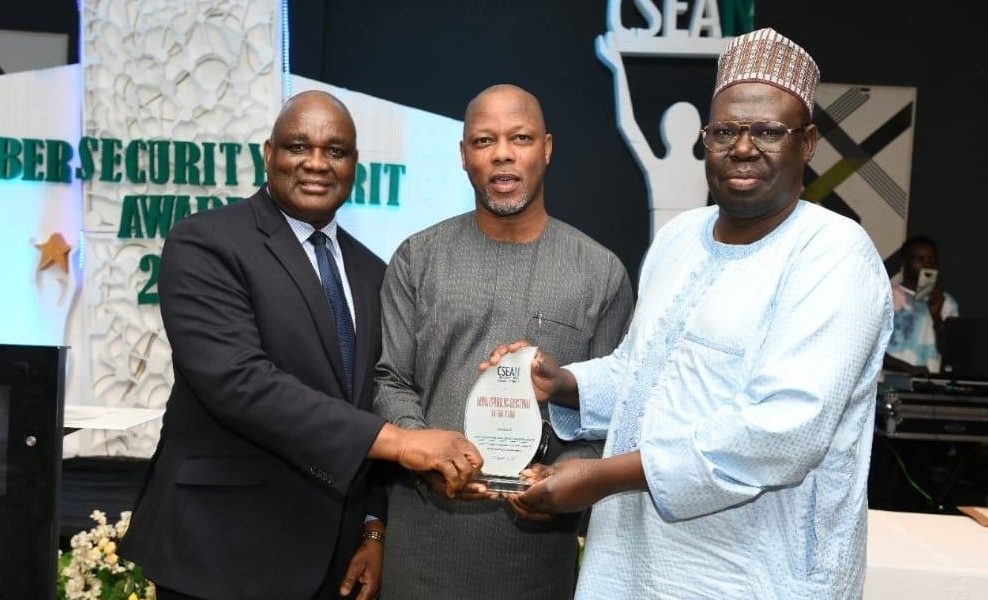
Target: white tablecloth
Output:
[{"x": 915, "y": 556}]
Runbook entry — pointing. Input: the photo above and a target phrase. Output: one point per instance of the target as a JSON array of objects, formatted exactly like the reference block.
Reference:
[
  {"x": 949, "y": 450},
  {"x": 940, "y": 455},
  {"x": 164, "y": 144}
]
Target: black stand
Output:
[{"x": 32, "y": 383}]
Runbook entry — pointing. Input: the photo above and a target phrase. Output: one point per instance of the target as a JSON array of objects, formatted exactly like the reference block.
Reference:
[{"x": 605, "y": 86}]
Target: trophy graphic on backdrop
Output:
[{"x": 504, "y": 421}]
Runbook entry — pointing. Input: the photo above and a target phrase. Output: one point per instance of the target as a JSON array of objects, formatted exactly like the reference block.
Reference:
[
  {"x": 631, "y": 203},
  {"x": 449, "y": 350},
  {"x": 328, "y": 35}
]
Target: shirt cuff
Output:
[{"x": 592, "y": 420}]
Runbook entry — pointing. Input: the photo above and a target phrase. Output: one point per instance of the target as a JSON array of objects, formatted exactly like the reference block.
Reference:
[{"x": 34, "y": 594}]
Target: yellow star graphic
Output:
[{"x": 54, "y": 252}]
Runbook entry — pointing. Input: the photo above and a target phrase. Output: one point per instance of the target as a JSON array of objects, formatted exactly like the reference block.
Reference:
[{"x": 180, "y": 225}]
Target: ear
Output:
[
  {"x": 267, "y": 155},
  {"x": 463, "y": 158},
  {"x": 548, "y": 147},
  {"x": 810, "y": 136}
]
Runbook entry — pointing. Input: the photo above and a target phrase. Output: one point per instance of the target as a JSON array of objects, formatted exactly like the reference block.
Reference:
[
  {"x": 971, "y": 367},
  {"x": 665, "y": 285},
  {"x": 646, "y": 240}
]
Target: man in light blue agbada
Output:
[{"x": 739, "y": 408}]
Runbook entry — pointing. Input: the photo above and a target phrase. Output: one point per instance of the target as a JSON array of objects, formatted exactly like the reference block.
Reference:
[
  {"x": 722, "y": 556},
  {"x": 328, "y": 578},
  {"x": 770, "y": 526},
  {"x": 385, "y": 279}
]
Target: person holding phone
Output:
[{"x": 921, "y": 307}]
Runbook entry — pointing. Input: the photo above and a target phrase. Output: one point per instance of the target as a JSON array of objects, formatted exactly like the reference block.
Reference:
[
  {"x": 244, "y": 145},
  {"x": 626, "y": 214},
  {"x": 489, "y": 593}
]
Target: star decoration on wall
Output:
[{"x": 54, "y": 252}]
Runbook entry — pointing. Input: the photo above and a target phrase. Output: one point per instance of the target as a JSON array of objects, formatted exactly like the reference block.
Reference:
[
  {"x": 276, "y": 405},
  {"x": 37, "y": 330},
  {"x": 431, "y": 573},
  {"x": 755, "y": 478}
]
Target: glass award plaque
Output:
[{"x": 504, "y": 422}]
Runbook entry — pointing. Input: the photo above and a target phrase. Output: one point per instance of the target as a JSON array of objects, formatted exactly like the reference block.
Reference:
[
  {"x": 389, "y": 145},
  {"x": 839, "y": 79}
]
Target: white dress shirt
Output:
[{"x": 302, "y": 231}]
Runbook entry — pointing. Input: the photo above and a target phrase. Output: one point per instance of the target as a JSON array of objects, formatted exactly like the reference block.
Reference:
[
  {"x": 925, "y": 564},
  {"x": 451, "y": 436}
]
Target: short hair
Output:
[
  {"x": 505, "y": 87},
  {"x": 289, "y": 104},
  {"x": 917, "y": 240}
]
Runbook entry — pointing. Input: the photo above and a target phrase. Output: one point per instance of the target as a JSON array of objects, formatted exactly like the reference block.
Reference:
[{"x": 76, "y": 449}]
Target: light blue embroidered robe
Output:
[{"x": 748, "y": 382}]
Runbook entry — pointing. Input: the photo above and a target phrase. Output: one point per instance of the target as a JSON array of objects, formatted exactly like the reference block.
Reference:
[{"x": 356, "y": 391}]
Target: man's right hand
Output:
[
  {"x": 552, "y": 383},
  {"x": 446, "y": 453},
  {"x": 472, "y": 491}
]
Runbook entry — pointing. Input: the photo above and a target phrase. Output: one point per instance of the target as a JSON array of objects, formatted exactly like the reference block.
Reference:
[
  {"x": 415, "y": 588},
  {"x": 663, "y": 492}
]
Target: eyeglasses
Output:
[{"x": 767, "y": 136}]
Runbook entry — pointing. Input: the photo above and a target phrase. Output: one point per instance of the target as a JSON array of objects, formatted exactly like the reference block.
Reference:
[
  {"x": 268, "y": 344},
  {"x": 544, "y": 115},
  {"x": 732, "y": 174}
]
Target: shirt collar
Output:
[{"x": 303, "y": 230}]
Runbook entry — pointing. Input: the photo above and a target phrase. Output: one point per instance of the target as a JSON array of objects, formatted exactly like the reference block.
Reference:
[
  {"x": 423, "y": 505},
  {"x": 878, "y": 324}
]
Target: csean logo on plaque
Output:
[{"x": 503, "y": 420}]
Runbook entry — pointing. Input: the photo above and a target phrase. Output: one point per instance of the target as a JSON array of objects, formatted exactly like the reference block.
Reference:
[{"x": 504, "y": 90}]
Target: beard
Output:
[{"x": 508, "y": 208}]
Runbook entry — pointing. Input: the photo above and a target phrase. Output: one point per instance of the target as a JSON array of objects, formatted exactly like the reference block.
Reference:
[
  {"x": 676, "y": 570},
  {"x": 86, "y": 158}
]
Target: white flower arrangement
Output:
[{"x": 93, "y": 571}]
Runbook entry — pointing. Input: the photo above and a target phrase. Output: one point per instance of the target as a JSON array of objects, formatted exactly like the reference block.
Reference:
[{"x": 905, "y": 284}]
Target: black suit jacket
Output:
[{"x": 259, "y": 482}]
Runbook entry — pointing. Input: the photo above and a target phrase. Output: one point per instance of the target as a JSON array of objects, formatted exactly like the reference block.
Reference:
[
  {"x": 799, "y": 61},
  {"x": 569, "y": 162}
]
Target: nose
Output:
[
  {"x": 744, "y": 148},
  {"x": 503, "y": 151},
  {"x": 316, "y": 160}
]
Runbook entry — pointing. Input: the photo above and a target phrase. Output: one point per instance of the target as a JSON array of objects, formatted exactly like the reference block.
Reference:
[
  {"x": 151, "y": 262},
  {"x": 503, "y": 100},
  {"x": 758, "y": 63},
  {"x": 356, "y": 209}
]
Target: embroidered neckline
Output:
[
  {"x": 738, "y": 251},
  {"x": 664, "y": 336}
]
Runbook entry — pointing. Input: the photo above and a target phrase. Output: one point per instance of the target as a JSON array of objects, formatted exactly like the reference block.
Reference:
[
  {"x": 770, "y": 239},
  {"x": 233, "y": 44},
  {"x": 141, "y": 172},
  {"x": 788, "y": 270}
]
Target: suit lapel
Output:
[
  {"x": 363, "y": 293},
  {"x": 287, "y": 250}
]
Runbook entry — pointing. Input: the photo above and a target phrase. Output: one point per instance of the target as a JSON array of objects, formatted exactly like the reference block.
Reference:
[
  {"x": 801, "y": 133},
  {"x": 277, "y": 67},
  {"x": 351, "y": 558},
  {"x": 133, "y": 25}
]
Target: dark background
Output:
[{"x": 436, "y": 55}]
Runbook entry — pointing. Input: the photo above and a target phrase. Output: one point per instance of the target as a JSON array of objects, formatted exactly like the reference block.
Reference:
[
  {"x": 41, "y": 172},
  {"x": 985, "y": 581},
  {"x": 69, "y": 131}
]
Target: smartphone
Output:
[{"x": 925, "y": 282}]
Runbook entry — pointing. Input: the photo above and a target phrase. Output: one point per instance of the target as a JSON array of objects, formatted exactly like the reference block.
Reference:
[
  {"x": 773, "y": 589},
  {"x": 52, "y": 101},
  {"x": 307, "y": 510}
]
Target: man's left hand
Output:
[
  {"x": 365, "y": 567},
  {"x": 564, "y": 487}
]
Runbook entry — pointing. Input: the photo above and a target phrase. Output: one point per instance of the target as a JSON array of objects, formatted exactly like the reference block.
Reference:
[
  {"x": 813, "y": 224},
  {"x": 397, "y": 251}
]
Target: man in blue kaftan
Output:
[{"x": 739, "y": 408}]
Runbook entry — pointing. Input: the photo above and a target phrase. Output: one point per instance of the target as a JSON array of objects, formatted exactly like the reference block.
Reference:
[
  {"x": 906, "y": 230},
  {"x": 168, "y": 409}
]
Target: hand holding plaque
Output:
[{"x": 504, "y": 421}]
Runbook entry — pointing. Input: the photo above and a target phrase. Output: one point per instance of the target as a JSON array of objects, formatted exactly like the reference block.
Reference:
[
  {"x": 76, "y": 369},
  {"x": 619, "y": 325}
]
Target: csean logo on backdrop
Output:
[
  {"x": 699, "y": 29},
  {"x": 709, "y": 25},
  {"x": 165, "y": 162}
]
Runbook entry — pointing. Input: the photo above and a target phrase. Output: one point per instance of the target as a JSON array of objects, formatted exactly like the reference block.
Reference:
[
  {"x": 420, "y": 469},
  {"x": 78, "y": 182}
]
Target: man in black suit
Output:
[{"x": 262, "y": 485}]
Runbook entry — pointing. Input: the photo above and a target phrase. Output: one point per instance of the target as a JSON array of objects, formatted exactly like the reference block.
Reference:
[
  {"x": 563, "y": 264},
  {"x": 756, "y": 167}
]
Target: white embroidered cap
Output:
[{"x": 767, "y": 56}]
